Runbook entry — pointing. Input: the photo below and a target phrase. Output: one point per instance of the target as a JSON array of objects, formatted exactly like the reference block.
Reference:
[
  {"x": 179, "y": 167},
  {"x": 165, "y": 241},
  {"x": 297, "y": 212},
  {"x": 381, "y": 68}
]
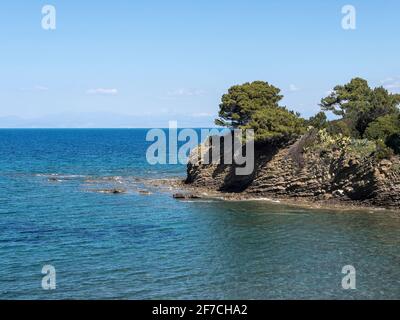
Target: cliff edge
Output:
[{"x": 315, "y": 167}]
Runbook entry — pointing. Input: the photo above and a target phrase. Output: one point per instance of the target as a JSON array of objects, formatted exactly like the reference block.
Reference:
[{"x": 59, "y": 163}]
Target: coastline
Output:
[
  {"x": 184, "y": 192},
  {"x": 177, "y": 188},
  {"x": 324, "y": 177}
]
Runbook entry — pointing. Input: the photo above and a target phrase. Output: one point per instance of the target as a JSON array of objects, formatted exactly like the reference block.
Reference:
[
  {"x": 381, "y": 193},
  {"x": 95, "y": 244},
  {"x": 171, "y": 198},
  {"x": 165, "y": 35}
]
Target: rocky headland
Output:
[{"x": 315, "y": 170}]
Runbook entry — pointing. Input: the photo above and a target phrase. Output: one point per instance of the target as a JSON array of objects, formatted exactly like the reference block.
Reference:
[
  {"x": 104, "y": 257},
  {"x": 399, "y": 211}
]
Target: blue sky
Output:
[{"x": 141, "y": 63}]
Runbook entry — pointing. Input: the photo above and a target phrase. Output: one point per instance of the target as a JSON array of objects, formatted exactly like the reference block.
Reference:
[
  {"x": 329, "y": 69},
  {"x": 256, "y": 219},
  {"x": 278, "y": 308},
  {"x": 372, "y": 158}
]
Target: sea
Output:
[{"x": 55, "y": 210}]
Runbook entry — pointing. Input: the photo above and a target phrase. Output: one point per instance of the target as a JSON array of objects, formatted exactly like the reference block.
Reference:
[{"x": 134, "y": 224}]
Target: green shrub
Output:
[
  {"x": 396, "y": 168},
  {"x": 275, "y": 123},
  {"x": 382, "y": 151},
  {"x": 319, "y": 121},
  {"x": 362, "y": 147},
  {"x": 321, "y": 140},
  {"x": 383, "y": 127},
  {"x": 393, "y": 141},
  {"x": 339, "y": 127}
]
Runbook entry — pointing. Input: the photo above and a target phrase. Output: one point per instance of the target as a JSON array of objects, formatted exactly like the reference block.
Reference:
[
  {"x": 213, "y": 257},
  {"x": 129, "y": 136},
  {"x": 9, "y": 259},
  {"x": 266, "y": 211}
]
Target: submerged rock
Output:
[
  {"x": 145, "y": 192},
  {"x": 112, "y": 191}
]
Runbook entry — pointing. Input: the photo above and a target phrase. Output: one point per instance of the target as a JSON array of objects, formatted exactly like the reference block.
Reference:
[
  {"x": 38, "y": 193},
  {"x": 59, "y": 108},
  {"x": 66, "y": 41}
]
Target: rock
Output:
[
  {"x": 185, "y": 196},
  {"x": 112, "y": 191},
  {"x": 349, "y": 189},
  {"x": 193, "y": 196},
  {"x": 386, "y": 163},
  {"x": 338, "y": 193},
  {"x": 145, "y": 192},
  {"x": 179, "y": 196},
  {"x": 339, "y": 175},
  {"x": 117, "y": 191}
]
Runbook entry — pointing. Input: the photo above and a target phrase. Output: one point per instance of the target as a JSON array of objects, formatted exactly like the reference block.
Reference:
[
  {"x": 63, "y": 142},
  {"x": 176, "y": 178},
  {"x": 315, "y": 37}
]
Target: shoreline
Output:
[
  {"x": 177, "y": 188},
  {"x": 184, "y": 192}
]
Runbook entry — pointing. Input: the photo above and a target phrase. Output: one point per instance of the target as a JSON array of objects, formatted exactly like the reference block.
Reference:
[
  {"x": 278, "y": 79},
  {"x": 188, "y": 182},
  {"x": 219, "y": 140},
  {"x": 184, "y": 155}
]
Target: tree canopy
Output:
[
  {"x": 359, "y": 104},
  {"x": 319, "y": 121},
  {"x": 362, "y": 113},
  {"x": 383, "y": 127},
  {"x": 256, "y": 106}
]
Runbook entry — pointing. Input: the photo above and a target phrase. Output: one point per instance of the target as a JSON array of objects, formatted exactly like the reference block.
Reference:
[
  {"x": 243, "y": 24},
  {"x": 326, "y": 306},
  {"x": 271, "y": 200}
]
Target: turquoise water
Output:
[{"x": 136, "y": 246}]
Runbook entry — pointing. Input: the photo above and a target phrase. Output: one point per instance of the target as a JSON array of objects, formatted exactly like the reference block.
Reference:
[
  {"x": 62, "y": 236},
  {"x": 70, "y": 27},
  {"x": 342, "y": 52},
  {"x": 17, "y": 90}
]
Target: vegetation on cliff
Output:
[
  {"x": 360, "y": 106},
  {"x": 348, "y": 159},
  {"x": 256, "y": 106},
  {"x": 365, "y": 113},
  {"x": 367, "y": 119}
]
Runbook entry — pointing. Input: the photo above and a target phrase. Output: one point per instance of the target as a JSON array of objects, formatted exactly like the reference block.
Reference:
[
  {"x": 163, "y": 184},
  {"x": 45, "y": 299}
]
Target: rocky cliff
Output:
[{"x": 300, "y": 170}]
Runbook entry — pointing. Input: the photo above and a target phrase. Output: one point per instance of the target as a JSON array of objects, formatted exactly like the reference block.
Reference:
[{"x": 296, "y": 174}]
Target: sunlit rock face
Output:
[{"x": 293, "y": 171}]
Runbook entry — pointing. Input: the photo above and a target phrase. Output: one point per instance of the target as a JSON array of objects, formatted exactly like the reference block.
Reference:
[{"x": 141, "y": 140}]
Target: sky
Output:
[{"x": 131, "y": 63}]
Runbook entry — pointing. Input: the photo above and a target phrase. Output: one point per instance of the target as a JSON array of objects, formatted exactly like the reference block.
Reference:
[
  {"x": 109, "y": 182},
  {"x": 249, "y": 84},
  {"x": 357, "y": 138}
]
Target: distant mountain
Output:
[{"x": 106, "y": 120}]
